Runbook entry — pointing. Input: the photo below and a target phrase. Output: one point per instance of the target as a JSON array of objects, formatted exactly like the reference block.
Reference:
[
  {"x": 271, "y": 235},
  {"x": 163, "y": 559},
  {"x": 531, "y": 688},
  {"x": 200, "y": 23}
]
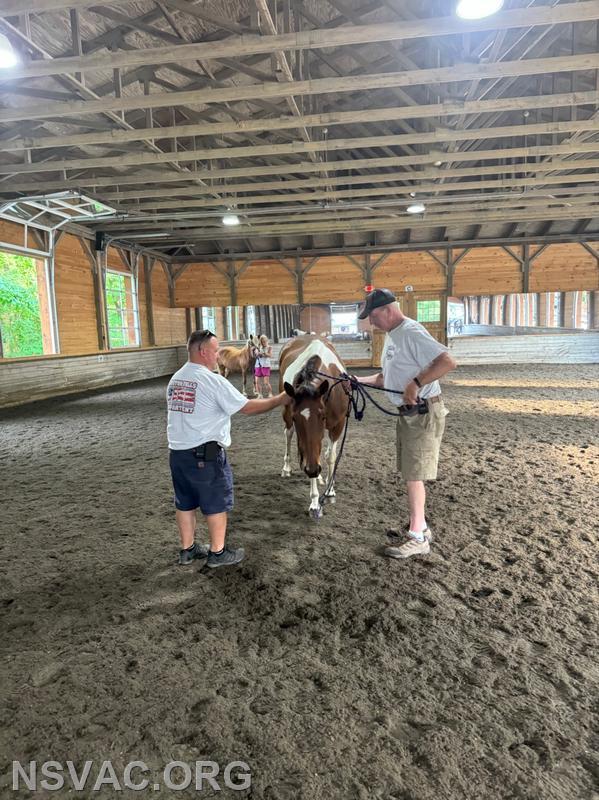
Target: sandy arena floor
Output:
[{"x": 333, "y": 672}]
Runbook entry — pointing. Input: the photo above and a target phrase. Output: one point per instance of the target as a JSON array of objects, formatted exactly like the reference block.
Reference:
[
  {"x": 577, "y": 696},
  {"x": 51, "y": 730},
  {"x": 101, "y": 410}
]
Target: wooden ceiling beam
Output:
[
  {"x": 236, "y": 190},
  {"x": 163, "y": 223},
  {"x": 431, "y": 221},
  {"x": 332, "y": 197},
  {"x": 312, "y": 120},
  {"x": 156, "y": 178},
  {"x": 330, "y": 145},
  {"x": 355, "y": 83},
  {"x": 585, "y": 11}
]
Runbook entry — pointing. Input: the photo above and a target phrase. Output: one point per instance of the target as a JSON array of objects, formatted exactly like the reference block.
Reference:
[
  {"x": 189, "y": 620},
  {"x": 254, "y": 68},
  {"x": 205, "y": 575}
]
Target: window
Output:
[
  {"x": 344, "y": 320},
  {"x": 428, "y": 310},
  {"x": 121, "y": 309},
  {"x": 583, "y": 321},
  {"x": 557, "y": 310},
  {"x": 209, "y": 318},
  {"x": 250, "y": 320},
  {"x": 232, "y": 331},
  {"x": 26, "y": 327}
]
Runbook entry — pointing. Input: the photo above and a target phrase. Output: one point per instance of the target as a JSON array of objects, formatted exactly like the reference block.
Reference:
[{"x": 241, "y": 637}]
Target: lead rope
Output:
[{"x": 356, "y": 400}]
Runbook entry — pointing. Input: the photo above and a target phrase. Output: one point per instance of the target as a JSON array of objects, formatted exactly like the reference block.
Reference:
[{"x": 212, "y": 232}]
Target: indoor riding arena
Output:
[{"x": 259, "y": 168}]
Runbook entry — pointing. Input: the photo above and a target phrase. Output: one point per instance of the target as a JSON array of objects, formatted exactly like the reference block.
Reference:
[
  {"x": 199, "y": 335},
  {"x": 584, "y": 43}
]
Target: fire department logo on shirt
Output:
[{"x": 182, "y": 396}]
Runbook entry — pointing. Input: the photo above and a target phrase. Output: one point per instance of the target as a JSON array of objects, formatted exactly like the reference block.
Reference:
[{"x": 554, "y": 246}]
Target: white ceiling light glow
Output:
[
  {"x": 416, "y": 208},
  {"x": 477, "y": 9},
  {"x": 8, "y": 57},
  {"x": 230, "y": 219}
]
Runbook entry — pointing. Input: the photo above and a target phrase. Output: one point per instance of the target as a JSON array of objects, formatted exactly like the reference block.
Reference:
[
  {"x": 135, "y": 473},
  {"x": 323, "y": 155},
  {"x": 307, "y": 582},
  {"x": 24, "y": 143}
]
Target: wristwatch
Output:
[{"x": 417, "y": 382}]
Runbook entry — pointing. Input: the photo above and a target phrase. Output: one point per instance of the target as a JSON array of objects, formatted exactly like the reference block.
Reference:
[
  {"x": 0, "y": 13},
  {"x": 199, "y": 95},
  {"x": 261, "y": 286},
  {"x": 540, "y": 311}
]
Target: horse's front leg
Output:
[
  {"x": 331, "y": 457},
  {"x": 286, "y": 471},
  {"x": 244, "y": 378},
  {"x": 315, "y": 510}
]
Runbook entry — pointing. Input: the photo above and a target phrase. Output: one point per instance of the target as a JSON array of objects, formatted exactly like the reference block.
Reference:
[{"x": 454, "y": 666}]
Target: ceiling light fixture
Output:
[
  {"x": 230, "y": 218},
  {"x": 8, "y": 57},
  {"x": 416, "y": 208},
  {"x": 478, "y": 9}
]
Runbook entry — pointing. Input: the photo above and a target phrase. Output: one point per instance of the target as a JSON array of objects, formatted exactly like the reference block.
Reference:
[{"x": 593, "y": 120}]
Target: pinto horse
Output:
[
  {"x": 238, "y": 359},
  {"x": 317, "y": 409}
]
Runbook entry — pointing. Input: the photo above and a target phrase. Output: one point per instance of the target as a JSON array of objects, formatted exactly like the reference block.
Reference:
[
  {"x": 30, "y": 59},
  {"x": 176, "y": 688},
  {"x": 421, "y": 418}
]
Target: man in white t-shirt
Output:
[
  {"x": 412, "y": 363},
  {"x": 200, "y": 406}
]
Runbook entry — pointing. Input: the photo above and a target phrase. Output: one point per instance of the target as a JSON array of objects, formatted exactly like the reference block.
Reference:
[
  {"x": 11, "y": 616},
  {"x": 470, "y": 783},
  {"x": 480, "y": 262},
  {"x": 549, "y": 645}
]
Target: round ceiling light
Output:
[
  {"x": 8, "y": 57},
  {"x": 416, "y": 208},
  {"x": 230, "y": 219},
  {"x": 477, "y": 9}
]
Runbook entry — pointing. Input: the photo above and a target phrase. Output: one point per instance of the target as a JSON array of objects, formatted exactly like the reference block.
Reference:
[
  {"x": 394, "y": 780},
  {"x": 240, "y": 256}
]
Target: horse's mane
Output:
[{"x": 304, "y": 380}]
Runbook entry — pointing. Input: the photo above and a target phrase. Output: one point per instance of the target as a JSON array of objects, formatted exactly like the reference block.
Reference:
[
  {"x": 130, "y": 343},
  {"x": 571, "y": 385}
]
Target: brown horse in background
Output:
[
  {"x": 238, "y": 359},
  {"x": 318, "y": 407}
]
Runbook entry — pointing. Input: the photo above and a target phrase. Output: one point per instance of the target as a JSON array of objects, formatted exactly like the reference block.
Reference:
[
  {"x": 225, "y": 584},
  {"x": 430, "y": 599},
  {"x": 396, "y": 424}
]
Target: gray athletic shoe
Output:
[
  {"x": 187, "y": 557},
  {"x": 227, "y": 558},
  {"x": 395, "y": 537},
  {"x": 411, "y": 547}
]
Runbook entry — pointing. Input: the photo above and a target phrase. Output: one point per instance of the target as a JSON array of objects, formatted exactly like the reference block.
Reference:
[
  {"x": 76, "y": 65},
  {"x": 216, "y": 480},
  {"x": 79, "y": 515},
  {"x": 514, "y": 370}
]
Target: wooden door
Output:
[{"x": 428, "y": 309}]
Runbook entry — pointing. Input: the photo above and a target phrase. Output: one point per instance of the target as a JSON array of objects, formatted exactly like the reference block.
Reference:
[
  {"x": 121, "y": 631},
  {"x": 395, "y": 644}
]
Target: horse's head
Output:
[{"x": 309, "y": 415}]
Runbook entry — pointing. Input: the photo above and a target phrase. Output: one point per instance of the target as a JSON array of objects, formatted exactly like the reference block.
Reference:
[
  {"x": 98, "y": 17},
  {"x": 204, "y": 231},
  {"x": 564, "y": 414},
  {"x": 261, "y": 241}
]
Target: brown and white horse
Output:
[
  {"x": 318, "y": 408},
  {"x": 238, "y": 359}
]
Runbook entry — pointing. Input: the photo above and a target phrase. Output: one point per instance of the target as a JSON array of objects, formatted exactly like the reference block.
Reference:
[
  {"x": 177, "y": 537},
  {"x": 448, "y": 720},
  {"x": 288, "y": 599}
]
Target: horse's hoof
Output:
[
  {"x": 285, "y": 473},
  {"x": 315, "y": 513}
]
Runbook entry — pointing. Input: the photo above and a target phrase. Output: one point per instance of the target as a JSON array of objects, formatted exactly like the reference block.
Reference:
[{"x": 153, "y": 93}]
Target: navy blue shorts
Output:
[{"x": 207, "y": 485}]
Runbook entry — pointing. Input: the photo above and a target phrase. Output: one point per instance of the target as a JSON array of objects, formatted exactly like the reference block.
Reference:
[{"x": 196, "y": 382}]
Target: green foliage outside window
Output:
[
  {"x": 428, "y": 310},
  {"x": 20, "y": 324},
  {"x": 119, "y": 307}
]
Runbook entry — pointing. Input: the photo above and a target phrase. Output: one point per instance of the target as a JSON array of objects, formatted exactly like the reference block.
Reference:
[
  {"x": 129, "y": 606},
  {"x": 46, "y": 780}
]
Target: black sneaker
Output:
[
  {"x": 227, "y": 558},
  {"x": 187, "y": 557}
]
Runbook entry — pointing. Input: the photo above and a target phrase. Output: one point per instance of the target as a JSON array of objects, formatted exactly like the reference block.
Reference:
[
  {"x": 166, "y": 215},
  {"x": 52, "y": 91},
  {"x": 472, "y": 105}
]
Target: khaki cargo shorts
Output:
[{"x": 418, "y": 443}]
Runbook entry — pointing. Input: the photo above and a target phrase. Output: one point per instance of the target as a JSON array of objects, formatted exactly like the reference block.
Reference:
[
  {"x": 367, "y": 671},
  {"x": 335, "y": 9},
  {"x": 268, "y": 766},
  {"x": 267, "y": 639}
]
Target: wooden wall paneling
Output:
[
  {"x": 75, "y": 302},
  {"x": 333, "y": 279},
  {"x": 202, "y": 284},
  {"x": 488, "y": 270},
  {"x": 169, "y": 323},
  {"x": 564, "y": 267},
  {"x": 419, "y": 270},
  {"x": 265, "y": 281}
]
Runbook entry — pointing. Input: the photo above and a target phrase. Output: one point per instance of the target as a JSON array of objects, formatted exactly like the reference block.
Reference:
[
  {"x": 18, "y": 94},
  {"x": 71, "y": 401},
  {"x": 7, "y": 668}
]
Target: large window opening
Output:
[
  {"x": 26, "y": 325},
  {"x": 250, "y": 320},
  {"x": 122, "y": 310},
  {"x": 209, "y": 318},
  {"x": 344, "y": 320}
]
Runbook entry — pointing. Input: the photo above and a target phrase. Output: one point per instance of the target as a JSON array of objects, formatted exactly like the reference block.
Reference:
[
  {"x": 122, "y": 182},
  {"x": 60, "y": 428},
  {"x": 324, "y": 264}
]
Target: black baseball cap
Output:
[{"x": 376, "y": 298}]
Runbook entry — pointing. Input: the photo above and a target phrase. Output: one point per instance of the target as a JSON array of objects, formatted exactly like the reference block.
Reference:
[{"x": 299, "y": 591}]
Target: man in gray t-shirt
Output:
[{"x": 412, "y": 363}]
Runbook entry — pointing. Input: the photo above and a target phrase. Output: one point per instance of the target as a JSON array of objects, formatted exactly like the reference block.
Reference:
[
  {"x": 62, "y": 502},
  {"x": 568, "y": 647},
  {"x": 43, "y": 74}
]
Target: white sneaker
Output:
[{"x": 413, "y": 547}]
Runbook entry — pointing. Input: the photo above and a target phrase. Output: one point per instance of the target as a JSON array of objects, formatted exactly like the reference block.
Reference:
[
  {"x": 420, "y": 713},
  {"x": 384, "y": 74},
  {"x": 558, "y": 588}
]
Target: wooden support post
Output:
[
  {"x": 198, "y": 318},
  {"x": 299, "y": 277},
  {"x": 98, "y": 284},
  {"x": 232, "y": 280},
  {"x": 525, "y": 268},
  {"x": 368, "y": 269},
  {"x": 148, "y": 267}
]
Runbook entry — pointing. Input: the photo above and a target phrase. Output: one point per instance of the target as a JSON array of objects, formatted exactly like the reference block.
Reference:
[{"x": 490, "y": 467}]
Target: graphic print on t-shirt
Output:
[{"x": 182, "y": 396}]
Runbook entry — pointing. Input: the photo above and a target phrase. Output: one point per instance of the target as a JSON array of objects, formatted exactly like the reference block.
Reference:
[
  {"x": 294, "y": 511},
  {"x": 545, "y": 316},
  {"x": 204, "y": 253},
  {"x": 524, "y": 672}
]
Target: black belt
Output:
[{"x": 207, "y": 452}]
